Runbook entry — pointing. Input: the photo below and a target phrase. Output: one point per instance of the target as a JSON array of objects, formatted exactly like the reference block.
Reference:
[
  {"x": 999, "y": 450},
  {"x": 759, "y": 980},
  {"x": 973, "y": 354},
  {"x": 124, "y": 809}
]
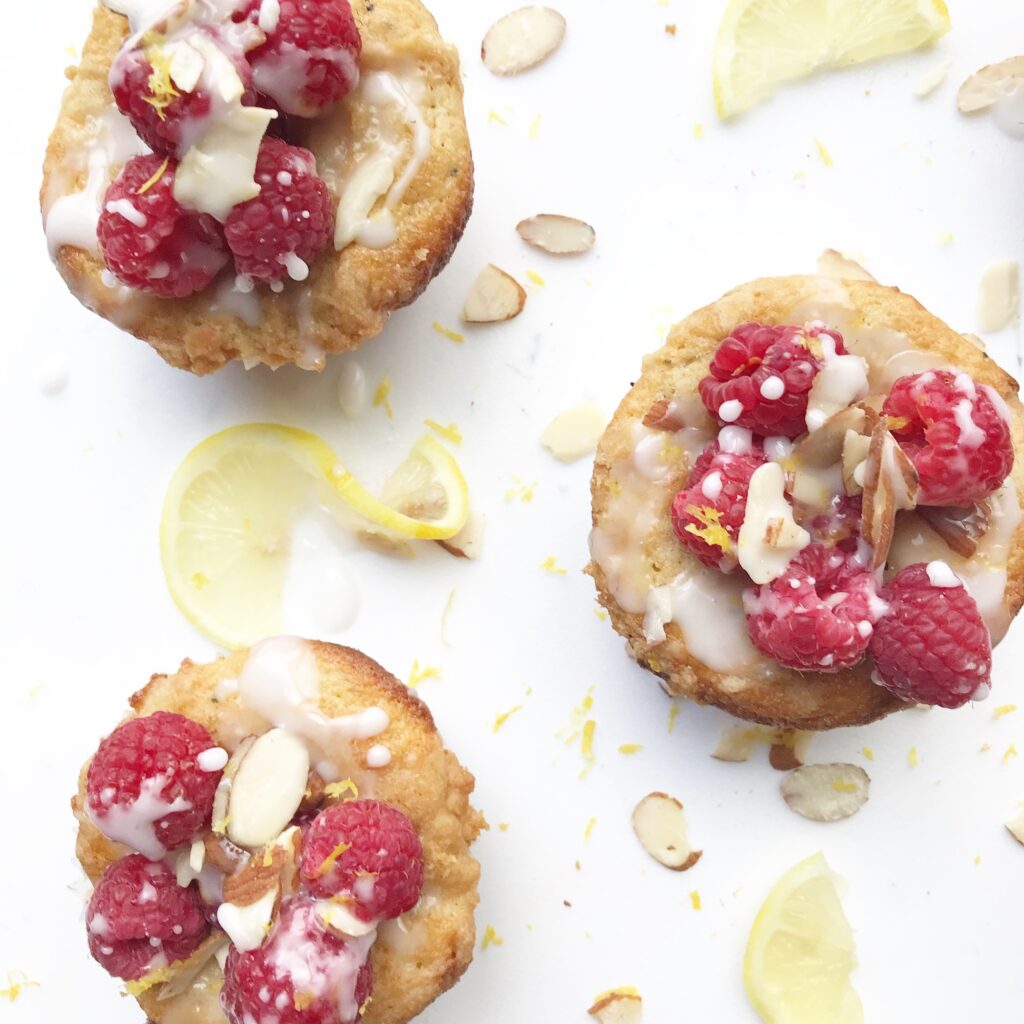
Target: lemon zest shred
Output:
[
  {"x": 503, "y": 826},
  {"x": 535, "y": 127},
  {"x": 600, "y": 613},
  {"x": 522, "y": 491},
  {"x": 501, "y": 719},
  {"x": 491, "y": 938},
  {"x": 912, "y": 758},
  {"x": 336, "y": 789},
  {"x": 673, "y": 714},
  {"x": 1005, "y": 709},
  {"x": 897, "y": 422},
  {"x": 868, "y": 753},
  {"x": 444, "y": 617},
  {"x": 587, "y": 743},
  {"x": 711, "y": 530},
  {"x": 161, "y": 88},
  {"x": 550, "y": 564},
  {"x": 826, "y": 156},
  {"x": 535, "y": 278},
  {"x": 419, "y": 675},
  {"x": 1011, "y": 751},
  {"x": 622, "y": 990},
  {"x": 496, "y": 117},
  {"x": 695, "y": 900},
  {"x": 590, "y": 828},
  {"x": 449, "y": 433},
  {"x": 148, "y": 981},
  {"x": 698, "y": 132},
  {"x": 328, "y": 865},
  {"x": 630, "y": 748},
  {"x": 303, "y": 1000},
  {"x": 17, "y": 982},
  {"x": 154, "y": 178},
  {"x": 447, "y": 332}
]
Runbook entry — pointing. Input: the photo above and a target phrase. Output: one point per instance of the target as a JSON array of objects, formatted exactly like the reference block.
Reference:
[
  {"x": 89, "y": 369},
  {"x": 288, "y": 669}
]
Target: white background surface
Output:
[{"x": 86, "y": 617}]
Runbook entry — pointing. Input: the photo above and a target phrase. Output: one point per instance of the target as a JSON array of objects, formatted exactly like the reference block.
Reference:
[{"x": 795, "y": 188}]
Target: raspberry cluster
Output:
[{"x": 294, "y": 56}]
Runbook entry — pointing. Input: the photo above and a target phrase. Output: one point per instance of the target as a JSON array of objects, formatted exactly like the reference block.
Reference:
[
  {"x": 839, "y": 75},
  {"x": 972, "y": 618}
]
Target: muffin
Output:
[
  {"x": 282, "y": 828},
  {"x": 806, "y": 509}
]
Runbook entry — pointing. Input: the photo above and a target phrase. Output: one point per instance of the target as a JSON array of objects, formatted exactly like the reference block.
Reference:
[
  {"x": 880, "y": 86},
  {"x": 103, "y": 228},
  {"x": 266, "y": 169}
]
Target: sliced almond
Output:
[
  {"x": 738, "y": 742},
  {"x": 826, "y": 792},
  {"x": 992, "y": 83},
  {"x": 788, "y": 751},
  {"x": 931, "y": 79},
  {"x": 313, "y": 798},
  {"x": 769, "y": 538},
  {"x": 339, "y": 919},
  {"x": 494, "y": 298},
  {"x": 574, "y": 433},
  {"x": 556, "y": 234},
  {"x": 833, "y": 263},
  {"x": 618, "y": 1007},
  {"x": 660, "y": 825},
  {"x": 468, "y": 542},
  {"x": 890, "y": 485},
  {"x": 960, "y": 528},
  {"x": 974, "y": 340},
  {"x": 268, "y": 788},
  {"x": 824, "y": 447},
  {"x": 219, "y": 817},
  {"x": 522, "y": 39},
  {"x": 1016, "y": 827},
  {"x": 855, "y": 453},
  {"x": 907, "y": 362},
  {"x": 223, "y": 855},
  {"x": 998, "y": 295},
  {"x": 664, "y": 414},
  {"x": 256, "y": 878},
  {"x": 186, "y": 971}
]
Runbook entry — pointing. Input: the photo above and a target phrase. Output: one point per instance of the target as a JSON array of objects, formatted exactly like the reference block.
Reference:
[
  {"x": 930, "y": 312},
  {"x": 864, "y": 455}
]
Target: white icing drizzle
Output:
[
  {"x": 941, "y": 575},
  {"x": 247, "y": 926},
  {"x": 135, "y": 824}
]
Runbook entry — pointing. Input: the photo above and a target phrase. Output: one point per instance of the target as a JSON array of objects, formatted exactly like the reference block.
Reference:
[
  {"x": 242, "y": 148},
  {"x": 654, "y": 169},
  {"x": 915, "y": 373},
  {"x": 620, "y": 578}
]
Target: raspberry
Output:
[
  {"x": 139, "y": 917},
  {"x": 708, "y": 514},
  {"x": 955, "y": 432},
  {"x": 142, "y": 770},
  {"x": 380, "y": 866},
  {"x": 302, "y": 974},
  {"x": 838, "y": 526},
  {"x": 311, "y": 56},
  {"x": 166, "y": 118},
  {"x": 289, "y": 223},
  {"x": 152, "y": 243},
  {"x": 760, "y": 378},
  {"x": 819, "y": 615},
  {"x": 933, "y": 646}
]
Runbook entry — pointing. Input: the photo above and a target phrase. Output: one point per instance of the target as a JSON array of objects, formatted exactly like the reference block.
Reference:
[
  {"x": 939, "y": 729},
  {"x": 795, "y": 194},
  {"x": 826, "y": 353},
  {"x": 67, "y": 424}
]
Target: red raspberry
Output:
[
  {"x": 838, "y": 526},
  {"x": 286, "y": 226},
  {"x": 955, "y": 432},
  {"x": 380, "y": 866},
  {"x": 708, "y": 514},
  {"x": 932, "y": 646},
  {"x": 819, "y": 615},
  {"x": 302, "y": 974},
  {"x": 311, "y": 56},
  {"x": 145, "y": 767},
  {"x": 168, "y": 120},
  {"x": 762, "y": 375},
  {"x": 152, "y": 243},
  {"x": 140, "y": 918}
]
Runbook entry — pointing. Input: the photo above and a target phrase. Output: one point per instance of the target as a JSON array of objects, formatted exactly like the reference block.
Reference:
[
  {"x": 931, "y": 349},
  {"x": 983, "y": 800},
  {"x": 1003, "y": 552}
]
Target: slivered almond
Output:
[
  {"x": 833, "y": 263},
  {"x": 259, "y": 876},
  {"x": 660, "y": 825},
  {"x": 824, "y": 447},
  {"x": 890, "y": 485},
  {"x": 738, "y": 742},
  {"x": 556, "y": 234},
  {"x": 991, "y": 84},
  {"x": 960, "y": 528},
  {"x": 826, "y": 792},
  {"x": 223, "y": 855},
  {"x": 494, "y": 298},
  {"x": 788, "y": 751},
  {"x": 974, "y": 340},
  {"x": 998, "y": 295},
  {"x": 314, "y": 795},
  {"x": 468, "y": 542},
  {"x": 522, "y": 39},
  {"x": 574, "y": 433},
  {"x": 219, "y": 817},
  {"x": 855, "y": 452},
  {"x": 186, "y": 971},
  {"x": 1015, "y": 826},
  {"x": 618, "y": 1007},
  {"x": 664, "y": 414}
]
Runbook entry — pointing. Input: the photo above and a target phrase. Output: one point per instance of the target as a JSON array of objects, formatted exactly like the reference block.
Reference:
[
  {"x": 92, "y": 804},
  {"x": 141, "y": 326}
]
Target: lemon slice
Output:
[
  {"x": 762, "y": 43},
  {"x": 229, "y": 512},
  {"x": 800, "y": 952}
]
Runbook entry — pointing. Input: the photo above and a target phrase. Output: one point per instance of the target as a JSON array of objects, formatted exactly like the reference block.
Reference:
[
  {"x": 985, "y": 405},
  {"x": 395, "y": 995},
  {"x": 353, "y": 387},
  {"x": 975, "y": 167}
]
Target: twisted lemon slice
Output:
[
  {"x": 762, "y": 43},
  {"x": 229, "y": 512},
  {"x": 800, "y": 952}
]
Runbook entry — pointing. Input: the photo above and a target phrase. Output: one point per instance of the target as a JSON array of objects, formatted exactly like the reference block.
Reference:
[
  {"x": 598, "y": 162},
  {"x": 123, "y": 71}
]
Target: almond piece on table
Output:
[
  {"x": 561, "y": 236},
  {"x": 494, "y": 297},
  {"x": 468, "y": 542},
  {"x": 660, "y": 825},
  {"x": 998, "y": 295},
  {"x": 522, "y": 39},
  {"x": 833, "y": 263},
  {"x": 826, "y": 792},
  {"x": 618, "y": 1007},
  {"x": 890, "y": 485},
  {"x": 574, "y": 433},
  {"x": 1016, "y": 827},
  {"x": 991, "y": 84},
  {"x": 960, "y": 528}
]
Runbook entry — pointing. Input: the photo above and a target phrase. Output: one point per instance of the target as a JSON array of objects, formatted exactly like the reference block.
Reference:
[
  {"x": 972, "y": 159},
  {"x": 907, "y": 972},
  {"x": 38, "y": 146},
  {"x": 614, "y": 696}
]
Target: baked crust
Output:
[
  {"x": 781, "y": 698},
  {"x": 351, "y": 294},
  {"x": 423, "y": 779}
]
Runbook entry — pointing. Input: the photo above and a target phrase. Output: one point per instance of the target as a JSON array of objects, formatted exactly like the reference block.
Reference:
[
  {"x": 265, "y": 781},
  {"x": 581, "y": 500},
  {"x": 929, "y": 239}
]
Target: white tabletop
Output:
[{"x": 604, "y": 131}]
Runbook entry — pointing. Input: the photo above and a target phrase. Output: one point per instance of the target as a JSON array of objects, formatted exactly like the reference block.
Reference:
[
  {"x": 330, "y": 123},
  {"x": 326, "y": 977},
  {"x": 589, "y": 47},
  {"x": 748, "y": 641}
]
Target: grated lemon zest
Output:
[
  {"x": 501, "y": 719},
  {"x": 600, "y": 613},
  {"x": 154, "y": 178},
  {"x": 826, "y": 156},
  {"x": 496, "y": 117},
  {"x": 1005, "y": 709},
  {"x": 503, "y": 826},
  {"x": 535, "y": 127},
  {"x": 1011, "y": 751},
  {"x": 587, "y": 744},
  {"x": 491, "y": 938},
  {"x": 912, "y": 758},
  {"x": 698, "y": 132},
  {"x": 419, "y": 675},
  {"x": 673, "y": 714},
  {"x": 161, "y": 88},
  {"x": 381, "y": 397},
  {"x": 711, "y": 530},
  {"x": 535, "y": 278},
  {"x": 444, "y": 617},
  {"x": 945, "y": 238},
  {"x": 303, "y": 1000},
  {"x": 550, "y": 564},
  {"x": 868, "y": 753},
  {"x": 35, "y": 691},
  {"x": 447, "y": 332},
  {"x": 17, "y": 982},
  {"x": 329, "y": 860},
  {"x": 897, "y": 422},
  {"x": 630, "y": 748},
  {"x": 622, "y": 990},
  {"x": 449, "y": 433},
  {"x": 695, "y": 900},
  {"x": 336, "y": 789},
  {"x": 148, "y": 981},
  {"x": 521, "y": 491},
  {"x": 590, "y": 828}
]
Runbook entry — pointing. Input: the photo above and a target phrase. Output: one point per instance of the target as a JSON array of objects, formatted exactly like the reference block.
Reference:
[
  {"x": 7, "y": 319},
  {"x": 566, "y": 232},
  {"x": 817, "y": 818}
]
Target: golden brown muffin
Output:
[
  {"x": 640, "y": 467},
  {"x": 415, "y": 959},
  {"x": 349, "y": 294}
]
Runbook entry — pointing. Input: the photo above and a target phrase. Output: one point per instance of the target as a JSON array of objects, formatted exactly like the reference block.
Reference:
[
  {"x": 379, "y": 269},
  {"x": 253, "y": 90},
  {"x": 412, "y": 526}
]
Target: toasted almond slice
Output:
[
  {"x": 1016, "y": 827},
  {"x": 960, "y": 528},
  {"x": 855, "y": 453},
  {"x": 824, "y": 446},
  {"x": 219, "y": 817},
  {"x": 660, "y": 825},
  {"x": 826, "y": 792},
  {"x": 833, "y": 263},
  {"x": 974, "y": 340},
  {"x": 222, "y": 854},
  {"x": 522, "y": 39},
  {"x": 788, "y": 751},
  {"x": 664, "y": 414},
  {"x": 738, "y": 742},
  {"x": 910, "y": 360},
  {"x": 268, "y": 787},
  {"x": 561, "y": 236},
  {"x": 991, "y": 84},
  {"x": 574, "y": 433},
  {"x": 339, "y": 919},
  {"x": 890, "y": 484},
  {"x": 468, "y": 542},
  {"x": 618, "y": 1007},
  {"x": 494, "y": 297},
  {"x": 998, "y": 295},
  {"x": 186, "y": 971},
  {"x": 932, "y": 79}
]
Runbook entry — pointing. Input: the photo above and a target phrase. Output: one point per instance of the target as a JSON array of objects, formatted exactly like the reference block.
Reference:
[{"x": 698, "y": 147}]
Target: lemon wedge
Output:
[
  {"x": 762, "y": 43},
  {"x": 231, "y": 506},
  {"x": 800, "y": 952}
]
